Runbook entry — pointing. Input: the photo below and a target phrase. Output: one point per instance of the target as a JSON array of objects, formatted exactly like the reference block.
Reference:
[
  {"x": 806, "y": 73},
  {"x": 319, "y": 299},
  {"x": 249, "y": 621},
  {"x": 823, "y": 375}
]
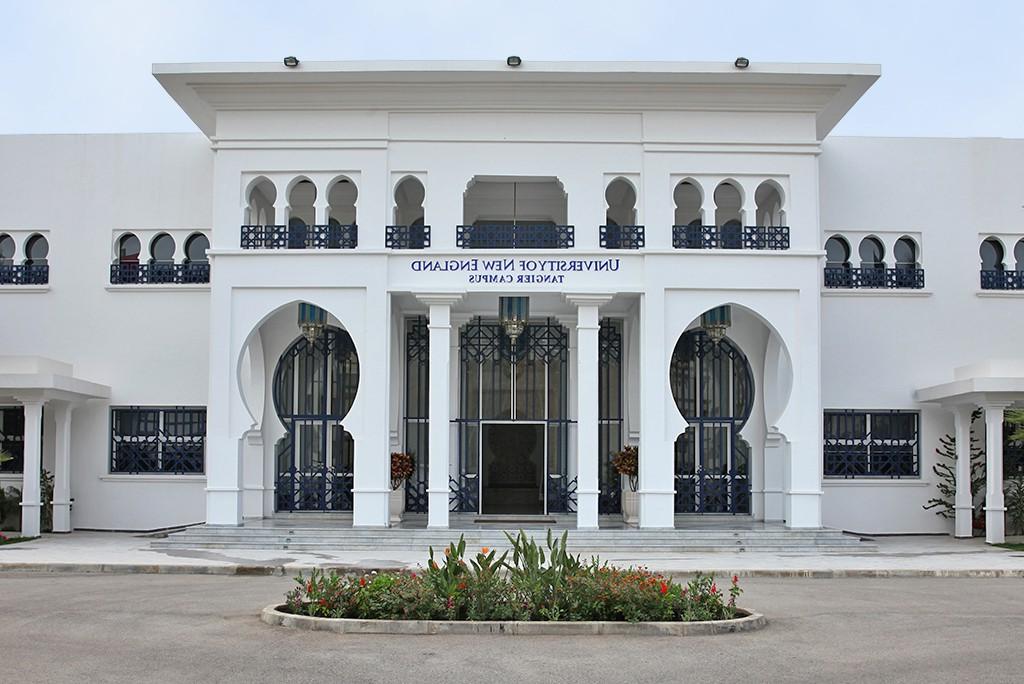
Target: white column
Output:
[
  {"x": 321, "y": 211},
  {"x": 657, "y": 464},
  {"x": 964, "y": 503},
  {"x": 30, "y": 494},
  {"x": 587, "y": 477},
  {"x": 62, "y": 467},
  {"x": 223, "y": 447},
  {"x": 438, "y": 412},
  {"x": 994, "y": 508}
]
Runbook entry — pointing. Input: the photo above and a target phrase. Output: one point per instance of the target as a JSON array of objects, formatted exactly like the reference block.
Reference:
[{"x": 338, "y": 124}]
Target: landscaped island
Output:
[{"x": 527, "y": 583}]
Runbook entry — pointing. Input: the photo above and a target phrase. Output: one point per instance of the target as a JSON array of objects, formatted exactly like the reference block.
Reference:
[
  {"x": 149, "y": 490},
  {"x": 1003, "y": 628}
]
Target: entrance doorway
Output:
[{"x": 512, "y": 468}]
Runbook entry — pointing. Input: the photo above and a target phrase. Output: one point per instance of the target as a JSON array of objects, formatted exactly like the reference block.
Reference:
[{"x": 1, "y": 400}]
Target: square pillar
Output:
[
  {"x": 588, "y": 325},
  {"x": 657, "y": 441},
  {"x": 964, "y": 500},
  {"x": 62, "y": 468},
  {"x": 994, "y": 509},
  {"x": 438, "y": 406},
  {"x": 30, "y": 494}
]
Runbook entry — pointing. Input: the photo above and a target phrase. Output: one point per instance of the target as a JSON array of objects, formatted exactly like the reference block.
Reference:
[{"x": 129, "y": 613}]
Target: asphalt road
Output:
[{"x": 150, "y": 628}]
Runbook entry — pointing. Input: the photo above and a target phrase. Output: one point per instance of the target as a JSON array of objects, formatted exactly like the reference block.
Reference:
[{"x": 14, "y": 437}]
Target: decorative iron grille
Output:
[
  {"x": 522, "y": 236},
  {"x": 148, "y": 439},
  {"x": 610, "y": 414},
  {"x": 24, "y": 274},
  {"x": 300, "y": 236},
  {"x": 159, "y": 273},
  {"x": 1002, "y": 280},
  {"x": 882, "y": 444},
  {"x": 12, "y": 438},
  {"x": 875, "y": 278},
  {"x": 417, "y": 411},
  {"x": 730, "y": 237},
  {"x": 622, "y": 237},
  {"x": 407, "y": 237}
]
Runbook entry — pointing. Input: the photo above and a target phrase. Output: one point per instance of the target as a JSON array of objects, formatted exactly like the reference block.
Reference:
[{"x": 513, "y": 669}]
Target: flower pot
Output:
[
  {"x": 396, "y": 504},
  {"x": 630, "y": 506}
]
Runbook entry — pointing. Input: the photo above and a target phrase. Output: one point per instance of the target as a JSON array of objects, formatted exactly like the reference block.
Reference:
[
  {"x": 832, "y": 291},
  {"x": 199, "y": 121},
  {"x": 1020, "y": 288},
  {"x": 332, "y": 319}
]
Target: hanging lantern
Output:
[
  {"x": 716, "y": 321},
  {"x": 513, "y": 314},
  {"x": 312, "y": 321}
]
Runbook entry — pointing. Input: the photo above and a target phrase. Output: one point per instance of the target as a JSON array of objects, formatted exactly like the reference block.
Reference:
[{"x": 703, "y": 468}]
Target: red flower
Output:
[
  {"x": 362, "y": 581},
  {"x": 664, "y": 588},
  {"x": 714, "y": 588},
  {"x": 735, "y": 579},
  {"x": 462, "y": 585}
]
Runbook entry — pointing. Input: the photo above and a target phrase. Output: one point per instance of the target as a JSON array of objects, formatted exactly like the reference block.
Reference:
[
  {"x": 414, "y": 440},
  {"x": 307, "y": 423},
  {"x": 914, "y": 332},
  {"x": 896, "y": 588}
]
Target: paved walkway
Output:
[{"x": 130, "y": 553}]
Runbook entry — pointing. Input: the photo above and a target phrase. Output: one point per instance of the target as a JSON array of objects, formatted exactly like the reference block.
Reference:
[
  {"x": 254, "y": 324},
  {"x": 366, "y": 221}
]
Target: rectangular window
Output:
[
  {"x": 12, "y": 438},
  {"x": 872, "y": 444},
  {"x": 158, "y": 439}
]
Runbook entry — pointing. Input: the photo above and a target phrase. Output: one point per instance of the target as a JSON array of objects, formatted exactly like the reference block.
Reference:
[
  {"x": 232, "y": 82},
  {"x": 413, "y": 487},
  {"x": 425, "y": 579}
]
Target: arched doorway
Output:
[
  {"x": 713, "y": 388},
  {"x": 314, "y": 385}
]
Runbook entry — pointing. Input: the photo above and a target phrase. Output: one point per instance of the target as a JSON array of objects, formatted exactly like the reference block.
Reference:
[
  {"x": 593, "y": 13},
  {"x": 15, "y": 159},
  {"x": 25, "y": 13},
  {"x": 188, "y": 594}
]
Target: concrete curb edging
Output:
[{"x": 750, "y": 621}]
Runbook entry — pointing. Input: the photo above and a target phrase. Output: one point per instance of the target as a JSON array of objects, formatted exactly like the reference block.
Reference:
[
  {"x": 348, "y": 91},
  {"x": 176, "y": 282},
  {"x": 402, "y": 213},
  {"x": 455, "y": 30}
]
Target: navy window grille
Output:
[
  {"x": 901, "y": 277},
  {"x": 12, "y": 438},
  {"x": 1002, "y": 280},
  {"x": 407, "y": 237},
  {"x": 610, "y": 437},
  {"x": 157, "y": 439},
  {"x": 159, "y": 273},
  {"x": 622, "y": 237},
  {"x": 696, "y": 236},
  {"x": 515, "y": 236},
  {"x": 417, "y": 407},
  {"x": 300, "y": 236},
  {"x": 24, "y": 274},
  {"x": 881, "y": 444}
]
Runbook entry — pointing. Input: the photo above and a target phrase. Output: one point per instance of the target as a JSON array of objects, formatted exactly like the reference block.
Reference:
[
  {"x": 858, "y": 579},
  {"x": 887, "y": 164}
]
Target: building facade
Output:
[{"x": 511, "y": 274}]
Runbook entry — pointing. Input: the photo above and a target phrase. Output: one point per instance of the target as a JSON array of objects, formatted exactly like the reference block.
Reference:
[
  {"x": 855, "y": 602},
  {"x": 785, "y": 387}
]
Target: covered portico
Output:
[
  {"x": 34, "y": 382},
  {"x": 992, "y": 386}
]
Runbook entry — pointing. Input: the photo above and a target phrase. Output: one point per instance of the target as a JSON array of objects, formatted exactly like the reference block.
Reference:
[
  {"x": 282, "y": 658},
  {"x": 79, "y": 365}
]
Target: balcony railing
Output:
[
  {"x": 24, "y": 274},
  {"x": 875, "y": 278},
  {"x": 528, "y": 236},
  {"x": 730, "y": 237},
  {"x": 407, "y": 237},
  {"x": 333, "y": 236},
  {"x": 1002, "y": 280},
  {"x": 622, "y": 237},
  {"x": 196, "y": 272}
]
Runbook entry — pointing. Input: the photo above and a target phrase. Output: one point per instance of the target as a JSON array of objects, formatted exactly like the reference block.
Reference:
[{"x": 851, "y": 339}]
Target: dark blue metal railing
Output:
[
  {"x": 622, "y": 237},
  {"x": 332, "y": 236},
  {"x": 407, "y": 237},
  {"x": 875, "y": 278},
  {"x": 527, "y": 236},
  {"x": 195, "y": 272},
  {"x": 1002, "y": 280},
  {"x": 730, "y": 237},
  {"x": 24, "y": 274}
]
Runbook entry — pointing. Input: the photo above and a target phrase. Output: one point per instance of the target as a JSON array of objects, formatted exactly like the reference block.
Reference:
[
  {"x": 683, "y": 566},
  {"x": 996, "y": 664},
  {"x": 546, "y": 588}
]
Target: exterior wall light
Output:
[
  {"x": 312, "y": 321},
  {"x": 741, "y": 63},
  {"x": 513, "y": 314},
  {"x": 291, "y": 61},
  {"x": 716, "y": 321},
  {"x": 514, "y": 61}
]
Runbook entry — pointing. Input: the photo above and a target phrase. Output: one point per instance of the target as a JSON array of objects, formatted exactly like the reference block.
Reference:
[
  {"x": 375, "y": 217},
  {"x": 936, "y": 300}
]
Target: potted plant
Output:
[
  {"x": 402, "y": 468},
  {"x": 627, "y": 464}
]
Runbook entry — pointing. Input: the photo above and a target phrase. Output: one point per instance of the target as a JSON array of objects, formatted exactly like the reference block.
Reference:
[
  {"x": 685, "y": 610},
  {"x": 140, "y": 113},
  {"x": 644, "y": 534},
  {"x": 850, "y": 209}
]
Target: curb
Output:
[
  {"x": 282, "y": 570},
  {"x": 274, "y": 617}
]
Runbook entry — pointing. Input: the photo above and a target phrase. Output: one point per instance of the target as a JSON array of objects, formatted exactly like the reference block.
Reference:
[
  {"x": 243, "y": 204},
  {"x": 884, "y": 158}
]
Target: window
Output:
[
  {"x": 195, "y": 249},
  {"x": 872, "y": 254},
  {"x": 36, "y": 250},
  {"x": 991, "y": 255},
  {"x": 871, "y": 444},
  {"x": 153, "y": 439},
  {"x": 837, "y": 253},
  {"x": 6, "y": 250},
  {"x": 12, "y": 438},
  {"x": 128, "y": 249}
]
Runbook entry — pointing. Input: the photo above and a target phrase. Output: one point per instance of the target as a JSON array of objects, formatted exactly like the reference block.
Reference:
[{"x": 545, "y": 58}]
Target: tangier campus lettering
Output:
[{"x": 515, "y": 271}]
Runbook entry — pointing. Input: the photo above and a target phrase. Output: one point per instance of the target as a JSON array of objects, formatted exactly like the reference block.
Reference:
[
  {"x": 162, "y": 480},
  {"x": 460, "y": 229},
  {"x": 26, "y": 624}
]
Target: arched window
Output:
[
  {"x": 905, "y": 252},
  {"x": 992, "y": 255},
  {"x": 688, "y": 201},
  {"x": 7, "y": 247},
  {"x": 620, "y": 230},
  {"x": 872, "y": 254},
  {"x": 768, "y": 198},
  {"x": 195, "y": 249},
  {"x": 728, "y": 204},
  {"x": 36, "y": 250},
  {"x": 260, "y": 203},
  {"x": 161, "y": 249},
  {"x": 128, "y": 249},
  {"x": 1018, "y": 255},
  {"x": 342, "y": 202},
  {"x": 837, "y": 252},
  {"x": 408, "y": 231}
]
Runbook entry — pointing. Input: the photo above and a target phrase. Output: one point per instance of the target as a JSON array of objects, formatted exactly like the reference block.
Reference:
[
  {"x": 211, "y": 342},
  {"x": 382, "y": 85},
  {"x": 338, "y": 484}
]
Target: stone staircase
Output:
[{"x": 310, "y": 537}]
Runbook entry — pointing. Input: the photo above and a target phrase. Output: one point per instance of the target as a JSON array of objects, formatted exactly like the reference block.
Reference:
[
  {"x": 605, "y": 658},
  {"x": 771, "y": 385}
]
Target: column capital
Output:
[
  {"x": 439, "y": 298},
  {"x": 582, "y": 299},
  {"x": 30, "y": 400},
  {"x": 996, "y": 404}
]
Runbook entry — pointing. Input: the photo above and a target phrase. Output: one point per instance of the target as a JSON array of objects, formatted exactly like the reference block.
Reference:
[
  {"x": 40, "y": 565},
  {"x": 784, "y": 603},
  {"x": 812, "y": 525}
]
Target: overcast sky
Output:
[{"x": 948, "y": 68}]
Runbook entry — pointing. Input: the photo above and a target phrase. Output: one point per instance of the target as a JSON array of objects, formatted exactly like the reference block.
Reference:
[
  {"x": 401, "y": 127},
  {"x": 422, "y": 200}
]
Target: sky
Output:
[{"x": 84, "y": 66}]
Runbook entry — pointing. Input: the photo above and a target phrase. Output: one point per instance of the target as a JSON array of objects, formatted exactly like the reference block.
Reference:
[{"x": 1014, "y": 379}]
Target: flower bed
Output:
[
  {"x": 4, "y": 539},
  {"x": 528, "y": 583}
]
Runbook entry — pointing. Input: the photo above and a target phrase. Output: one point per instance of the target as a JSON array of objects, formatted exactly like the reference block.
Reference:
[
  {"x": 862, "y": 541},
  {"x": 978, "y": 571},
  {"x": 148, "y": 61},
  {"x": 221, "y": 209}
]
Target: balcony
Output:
[
  {"x": 520, "y": 236},
  {"x": 907, "y": 278},
  {"x": 730, "y": 237},
  {"x": 193, "y": 273},
  {"x": 24, "y": 274},
  {"x": 333, "y": 236},
  {"x": 407, "y": 237},
  {"x": 622, "y": 237},
  {"x": 1002, "y": 280}
]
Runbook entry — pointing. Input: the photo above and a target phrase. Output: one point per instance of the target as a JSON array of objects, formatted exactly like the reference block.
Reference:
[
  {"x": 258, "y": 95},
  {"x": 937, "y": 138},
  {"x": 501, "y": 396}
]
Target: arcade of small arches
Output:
[
  {"x": 27, "y": 266},
  {"x": 155, "y": 260}
]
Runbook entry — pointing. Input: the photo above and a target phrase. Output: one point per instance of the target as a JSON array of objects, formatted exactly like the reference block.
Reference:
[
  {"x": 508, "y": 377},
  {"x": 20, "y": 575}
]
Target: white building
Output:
[{"x": 153, "y": 287}]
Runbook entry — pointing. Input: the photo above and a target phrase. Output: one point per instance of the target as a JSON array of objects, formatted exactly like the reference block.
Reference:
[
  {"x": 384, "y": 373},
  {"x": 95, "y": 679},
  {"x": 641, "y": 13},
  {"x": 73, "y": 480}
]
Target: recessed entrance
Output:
[{"x": 512, "y": 468}]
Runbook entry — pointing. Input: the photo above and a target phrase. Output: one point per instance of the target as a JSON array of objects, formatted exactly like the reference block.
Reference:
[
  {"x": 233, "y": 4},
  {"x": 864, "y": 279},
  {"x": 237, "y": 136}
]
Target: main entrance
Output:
[{"x": 512, "y": 468}]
